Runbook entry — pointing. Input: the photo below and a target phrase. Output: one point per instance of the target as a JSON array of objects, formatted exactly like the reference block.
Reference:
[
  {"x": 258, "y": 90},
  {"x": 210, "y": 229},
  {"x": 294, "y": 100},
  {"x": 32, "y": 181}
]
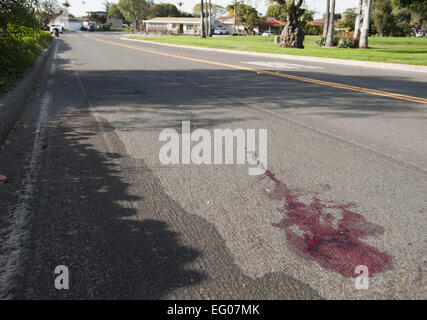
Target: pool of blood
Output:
[{"x": 337, "y": 248}]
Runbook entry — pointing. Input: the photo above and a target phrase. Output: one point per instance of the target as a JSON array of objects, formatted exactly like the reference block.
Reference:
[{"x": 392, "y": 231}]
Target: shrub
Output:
[
  {"x": 322, "y": 41},
  {"x": 103, "y": 27},
  {"x": 346, "y": 40},
  {"x": 19, "y": 48},
  {"x": 312, "y": 30}
]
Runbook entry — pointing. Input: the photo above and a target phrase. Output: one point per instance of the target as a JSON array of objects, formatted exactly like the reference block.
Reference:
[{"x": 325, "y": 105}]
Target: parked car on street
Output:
[{"x": 220, "y": 30}]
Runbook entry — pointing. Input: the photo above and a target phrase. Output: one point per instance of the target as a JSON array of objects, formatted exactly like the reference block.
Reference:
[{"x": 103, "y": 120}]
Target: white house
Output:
[
  {"x": 173, "y": 25},
  {"x": 66, "y": 22},
  {"x": 228, "y": 22}
]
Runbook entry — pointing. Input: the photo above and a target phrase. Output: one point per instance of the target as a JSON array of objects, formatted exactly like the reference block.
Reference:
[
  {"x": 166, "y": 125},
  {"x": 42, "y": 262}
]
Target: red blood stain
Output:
[
  {"x": 338, "y": 249},
  {"x": 312, "y": 243}
]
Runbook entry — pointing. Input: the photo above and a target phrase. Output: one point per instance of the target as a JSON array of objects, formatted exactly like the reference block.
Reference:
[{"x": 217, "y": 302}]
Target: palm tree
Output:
[
  {"x": 293, "y": 34},
  {"x": 326, "y": 25},
  {"x": 235, "y": 16},
  {"x": 210, "y": 19},
  {"x": 207, "y": 17},
  {"x": 180, "y": 4},
  {"x": 107, "y": 5},
  {"x": 365, "y": 28},
  {"x": 202, "y": 20},
  {"x": 330, "y": 36},
  {"x": 357, "y": 22}
]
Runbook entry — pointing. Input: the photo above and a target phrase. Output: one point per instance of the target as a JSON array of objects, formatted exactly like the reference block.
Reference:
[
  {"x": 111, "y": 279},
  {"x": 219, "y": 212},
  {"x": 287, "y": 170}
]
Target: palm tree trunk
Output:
[
  {"x": 210, "y": 18},
  {"x": 326, "y": 25},
  {"x": 330, "y": 37},
  {"x": 207, "y": 18},
  {"x": 202, "y": 20},
  {"x": 293, "y": 35},
  {"x": 365, "y": 28},
  {"x": 357, "y": 22},
  {"x": 235, "y": 16}
]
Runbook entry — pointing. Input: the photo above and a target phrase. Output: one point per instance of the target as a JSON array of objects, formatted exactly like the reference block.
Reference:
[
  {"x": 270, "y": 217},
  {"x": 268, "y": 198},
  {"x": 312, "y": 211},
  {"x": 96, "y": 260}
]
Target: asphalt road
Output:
[{"x": 86, "y": 188}]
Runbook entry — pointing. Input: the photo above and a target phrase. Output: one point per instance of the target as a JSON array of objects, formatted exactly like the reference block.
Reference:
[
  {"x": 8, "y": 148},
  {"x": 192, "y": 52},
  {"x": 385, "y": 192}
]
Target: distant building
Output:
[
  {"x": 272, "y": 24},
  {"x": 97, "y": 13},
  {"x": 320, "y": 23},
  {"x": 226, "y": 22},
  {"x": 114, "y": 22},
  {"x": 67, "y": 22},
  {"x": 316, "y": 23},
  {"x": 173, "y": 25}
]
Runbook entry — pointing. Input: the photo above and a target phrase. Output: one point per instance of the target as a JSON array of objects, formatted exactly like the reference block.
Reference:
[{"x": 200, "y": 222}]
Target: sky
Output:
[{"x": 79, "y": 7}]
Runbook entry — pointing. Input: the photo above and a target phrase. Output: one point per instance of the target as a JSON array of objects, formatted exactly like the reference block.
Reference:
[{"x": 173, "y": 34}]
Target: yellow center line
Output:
[{"x": 273, "y": 73}]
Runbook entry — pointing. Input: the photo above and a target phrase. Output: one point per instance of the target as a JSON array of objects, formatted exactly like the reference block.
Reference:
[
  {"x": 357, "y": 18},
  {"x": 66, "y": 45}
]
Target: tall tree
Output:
[
  {"x": 216, "y": 9},
  {"x": 19, "y": 12},
  {"x": 293, "y": 34},
  {"x": 365, "y": 27},
  {"x": 348, "y": 19},
  {"x": 115, "y": 12},
  {"x": 247, "y": 16},
  {"x": 107, "y": 5},
  {"x": 326, "y": 25},
  {"x": 276, "y": 11},
  {"x": 383, "y": 18},
  {"x": 206, "y": 18},
  {"x": 48, "y": 11},
  {"x": 163, "y": 10},
  {"x": 357, "y": 21},
  {"x": 134, "y": 10},
  {"x": 202, "y": 19},
  {"x": 330, "y": 37},
  {"x": 210, "y": 18}
]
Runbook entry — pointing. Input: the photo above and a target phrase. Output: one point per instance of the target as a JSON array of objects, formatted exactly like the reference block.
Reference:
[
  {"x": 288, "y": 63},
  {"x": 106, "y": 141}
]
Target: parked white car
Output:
[
  {"x": 268, "y": 33},
  {"x": 220, "y": 30},
  {"x": 420, "y": 34},
  {"x": 57, "y": 26}
]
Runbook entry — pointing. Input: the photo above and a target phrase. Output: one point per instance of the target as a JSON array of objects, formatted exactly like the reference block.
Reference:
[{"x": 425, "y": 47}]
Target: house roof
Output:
[
  {"x": 226, "y": 19},
  {"x": 319, "y": 23},
  {"x": 316, "y": 23},
  {"x": 272, "y": 22},
  {"x": 100, "y": 13},
  {"x": 183, "y": 20}
]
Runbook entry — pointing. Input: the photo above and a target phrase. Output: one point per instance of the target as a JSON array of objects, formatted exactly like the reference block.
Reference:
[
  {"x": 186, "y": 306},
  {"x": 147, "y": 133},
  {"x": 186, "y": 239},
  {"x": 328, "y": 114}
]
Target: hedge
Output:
[{"x": 19, "y": 48}]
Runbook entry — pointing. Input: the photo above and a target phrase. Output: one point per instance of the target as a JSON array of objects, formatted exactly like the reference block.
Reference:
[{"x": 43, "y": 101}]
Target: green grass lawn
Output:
[{"x": 390, "y": 49}]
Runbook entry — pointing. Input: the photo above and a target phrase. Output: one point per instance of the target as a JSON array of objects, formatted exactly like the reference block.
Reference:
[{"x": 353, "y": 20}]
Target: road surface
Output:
[{"x": 346, "y": 186}]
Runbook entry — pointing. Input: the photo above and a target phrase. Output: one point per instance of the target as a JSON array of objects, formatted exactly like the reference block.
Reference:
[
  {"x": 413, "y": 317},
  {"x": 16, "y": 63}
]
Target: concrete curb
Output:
[
  {"x": 12, "y": 102},
  {"x": 353, "y": 63}
]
